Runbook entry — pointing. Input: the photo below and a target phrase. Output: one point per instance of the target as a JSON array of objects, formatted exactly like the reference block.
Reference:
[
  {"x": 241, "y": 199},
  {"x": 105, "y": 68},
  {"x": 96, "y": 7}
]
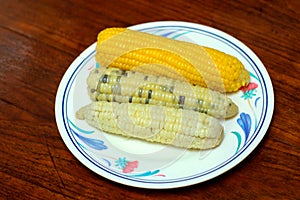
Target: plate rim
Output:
[{"x": 237, "y": 158}]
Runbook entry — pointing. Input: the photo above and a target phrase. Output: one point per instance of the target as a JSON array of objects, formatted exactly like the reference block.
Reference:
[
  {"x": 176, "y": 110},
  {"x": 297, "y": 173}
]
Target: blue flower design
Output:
[
  {"x": 121, "y": 162},
  {"x": 249, "y": 94},
  {"x": 245, "y": 123},
  {"x": 93, "y": 143}
]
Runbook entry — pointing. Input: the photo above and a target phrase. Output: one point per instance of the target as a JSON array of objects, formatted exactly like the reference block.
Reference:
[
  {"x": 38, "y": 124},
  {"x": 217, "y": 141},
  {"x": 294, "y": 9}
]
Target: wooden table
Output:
[{"x": 39, "y": 40}]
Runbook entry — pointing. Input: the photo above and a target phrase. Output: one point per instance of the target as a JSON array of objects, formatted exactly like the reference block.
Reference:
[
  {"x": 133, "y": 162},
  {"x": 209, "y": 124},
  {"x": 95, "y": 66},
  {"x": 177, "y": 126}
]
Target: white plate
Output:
[{"x": 146, "y": 165}]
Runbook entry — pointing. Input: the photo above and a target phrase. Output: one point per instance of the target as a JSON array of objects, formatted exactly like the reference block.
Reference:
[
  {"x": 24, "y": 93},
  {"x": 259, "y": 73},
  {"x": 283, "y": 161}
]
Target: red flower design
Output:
[
  {"x": 250, "y": 86},
  {"x": 130, "y": 166}
]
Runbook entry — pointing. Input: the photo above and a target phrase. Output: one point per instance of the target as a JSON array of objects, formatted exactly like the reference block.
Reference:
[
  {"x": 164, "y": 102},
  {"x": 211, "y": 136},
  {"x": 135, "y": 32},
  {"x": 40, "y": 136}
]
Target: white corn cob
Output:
[
  {"x": 112, "y": 84},
  {"x": 166, "y": 125}
]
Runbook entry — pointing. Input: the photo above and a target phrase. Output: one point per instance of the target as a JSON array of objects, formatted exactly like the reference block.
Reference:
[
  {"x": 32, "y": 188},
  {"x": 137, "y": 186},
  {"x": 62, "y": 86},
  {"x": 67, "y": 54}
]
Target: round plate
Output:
[{"x": 148, "y": 165}]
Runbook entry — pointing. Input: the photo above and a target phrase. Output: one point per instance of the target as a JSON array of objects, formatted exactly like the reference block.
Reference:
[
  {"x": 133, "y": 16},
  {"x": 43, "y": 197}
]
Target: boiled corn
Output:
[
  {"x": 177, "y": 127},
  {"x": 112, "y": 84},
  {"x": 128, "y": 49}
]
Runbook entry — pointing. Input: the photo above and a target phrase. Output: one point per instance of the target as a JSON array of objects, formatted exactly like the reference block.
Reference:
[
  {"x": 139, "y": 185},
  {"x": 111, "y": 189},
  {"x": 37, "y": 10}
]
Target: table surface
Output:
[{"x": 39, "y": 40}]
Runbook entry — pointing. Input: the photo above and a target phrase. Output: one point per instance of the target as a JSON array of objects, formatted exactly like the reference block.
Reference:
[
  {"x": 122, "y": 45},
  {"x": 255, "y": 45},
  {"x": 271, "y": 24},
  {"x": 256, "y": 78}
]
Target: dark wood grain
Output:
[{"x": 39, "y": 40}]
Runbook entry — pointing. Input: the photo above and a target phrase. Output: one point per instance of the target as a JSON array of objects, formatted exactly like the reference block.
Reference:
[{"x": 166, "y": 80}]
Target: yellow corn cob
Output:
[
  {"x": 113, "y": 84},
  {"x": 177, "y": 127},
  {"x": 128, "y": 49}
]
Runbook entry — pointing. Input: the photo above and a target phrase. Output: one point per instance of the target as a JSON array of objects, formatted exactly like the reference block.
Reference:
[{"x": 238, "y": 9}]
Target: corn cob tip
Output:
[
  {"x": 93, "y": 80},
  {"x": 232, "y": 110},
  {"x": 215, "y": 129},
  {"x": 81, "y": 113},
  {"x": 210, "y": 144},
  {"x": 220, "y": 138}
]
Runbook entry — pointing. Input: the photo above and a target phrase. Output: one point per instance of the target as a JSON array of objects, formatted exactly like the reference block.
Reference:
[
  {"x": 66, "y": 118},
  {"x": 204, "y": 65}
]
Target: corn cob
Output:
[
  {"x": 128, "y": 49},
  {"x": 161, "y": 124},
  {"x": 112, "y": 84}
]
